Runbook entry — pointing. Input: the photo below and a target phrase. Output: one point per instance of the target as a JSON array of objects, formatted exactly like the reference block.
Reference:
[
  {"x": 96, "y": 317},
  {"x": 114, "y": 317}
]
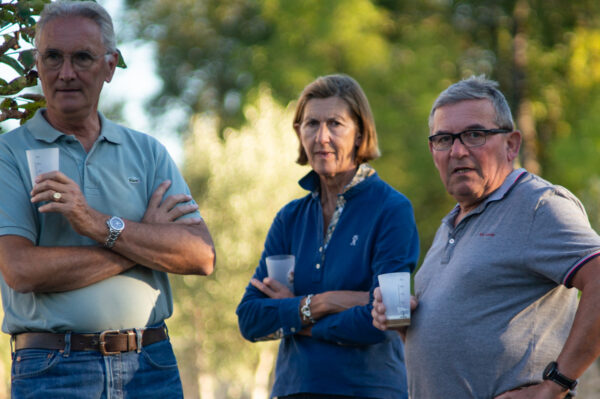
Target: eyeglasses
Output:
[
  {"x": 80, "y": 60},
  {"x": 469, "y": 138}
]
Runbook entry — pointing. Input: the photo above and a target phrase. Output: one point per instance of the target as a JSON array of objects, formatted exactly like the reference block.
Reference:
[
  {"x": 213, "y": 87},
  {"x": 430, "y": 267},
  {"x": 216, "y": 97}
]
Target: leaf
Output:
[
  {"x": 121, "y": 63},
  {"x": 27, "y": 58},
  {"x": 14, "y": 64}
]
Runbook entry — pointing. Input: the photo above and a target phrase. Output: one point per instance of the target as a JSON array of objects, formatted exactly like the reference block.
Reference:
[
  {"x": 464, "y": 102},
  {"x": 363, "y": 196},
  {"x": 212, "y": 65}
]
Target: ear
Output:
[
  {"x": 113, "y": 60},
  {"x": 513, "y": 144}
]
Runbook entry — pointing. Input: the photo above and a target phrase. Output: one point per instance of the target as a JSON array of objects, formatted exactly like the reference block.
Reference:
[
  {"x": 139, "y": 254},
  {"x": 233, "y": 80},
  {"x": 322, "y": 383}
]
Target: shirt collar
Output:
[
  {"x": 311, "y": 180},
  {"x": 509, "y": 182},
  {"x": 43, "y": 131}
]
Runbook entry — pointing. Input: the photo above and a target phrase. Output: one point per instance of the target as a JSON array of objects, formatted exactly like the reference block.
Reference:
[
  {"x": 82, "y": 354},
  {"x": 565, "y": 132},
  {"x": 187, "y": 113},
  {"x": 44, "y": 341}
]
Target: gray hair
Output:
[
  {"x": 86, "y": 9},
  {"x": 476, "y": 88}
]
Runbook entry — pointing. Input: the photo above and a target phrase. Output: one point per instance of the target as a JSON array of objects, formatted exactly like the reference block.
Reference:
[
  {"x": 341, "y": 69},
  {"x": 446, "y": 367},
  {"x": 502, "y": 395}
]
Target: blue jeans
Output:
[{"x": 152, "y": 373}]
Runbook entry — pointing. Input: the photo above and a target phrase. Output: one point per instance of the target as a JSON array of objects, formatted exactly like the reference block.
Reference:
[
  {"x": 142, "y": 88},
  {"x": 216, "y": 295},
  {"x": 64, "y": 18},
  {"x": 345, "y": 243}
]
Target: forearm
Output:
[
  {"x": 168, "y": 247},
  {"x": 331, "y": 302},
  {"x": 28, "y": 268}
]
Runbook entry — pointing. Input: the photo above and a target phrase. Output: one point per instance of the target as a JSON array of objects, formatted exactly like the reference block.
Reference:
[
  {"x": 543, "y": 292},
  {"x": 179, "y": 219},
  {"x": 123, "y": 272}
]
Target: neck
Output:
[
  {"x": 86, "y": 129},
  {"x": 331, "y": 186}
]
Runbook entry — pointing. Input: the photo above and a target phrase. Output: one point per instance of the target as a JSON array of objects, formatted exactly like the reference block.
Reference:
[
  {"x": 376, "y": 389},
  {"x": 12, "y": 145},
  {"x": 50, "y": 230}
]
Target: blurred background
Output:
[{"x": 216, "y": 81}]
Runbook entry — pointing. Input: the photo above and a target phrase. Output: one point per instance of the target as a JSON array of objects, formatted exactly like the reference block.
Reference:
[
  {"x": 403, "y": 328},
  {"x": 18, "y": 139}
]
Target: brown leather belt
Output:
[{"x": 109, "y": 342}]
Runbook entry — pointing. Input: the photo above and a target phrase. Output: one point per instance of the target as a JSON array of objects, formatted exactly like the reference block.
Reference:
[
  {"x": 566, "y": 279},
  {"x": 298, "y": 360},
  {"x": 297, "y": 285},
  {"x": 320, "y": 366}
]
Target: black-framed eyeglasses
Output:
[
  {"x": 80, "y": 60},
  {"x": 469, "y": 138}
]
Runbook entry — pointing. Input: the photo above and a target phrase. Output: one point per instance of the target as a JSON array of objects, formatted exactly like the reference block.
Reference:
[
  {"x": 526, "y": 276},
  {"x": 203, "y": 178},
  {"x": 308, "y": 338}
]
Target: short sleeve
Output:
[{"x": 560, "y": 237}]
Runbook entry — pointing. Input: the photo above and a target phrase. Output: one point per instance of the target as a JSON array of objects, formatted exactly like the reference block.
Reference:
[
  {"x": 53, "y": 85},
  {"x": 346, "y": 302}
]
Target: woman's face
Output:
[{"x": 329, "y": 136}]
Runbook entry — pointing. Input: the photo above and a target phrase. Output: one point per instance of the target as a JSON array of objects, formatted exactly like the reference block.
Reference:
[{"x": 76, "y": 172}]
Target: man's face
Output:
[
  {"x": 470, "y": 174},
  {"x": 72, "y": 91}
]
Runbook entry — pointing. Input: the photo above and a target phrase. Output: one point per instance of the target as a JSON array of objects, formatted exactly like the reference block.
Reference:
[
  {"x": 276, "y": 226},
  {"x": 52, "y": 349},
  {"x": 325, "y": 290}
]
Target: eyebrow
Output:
[{"x": 474, "y": 126}]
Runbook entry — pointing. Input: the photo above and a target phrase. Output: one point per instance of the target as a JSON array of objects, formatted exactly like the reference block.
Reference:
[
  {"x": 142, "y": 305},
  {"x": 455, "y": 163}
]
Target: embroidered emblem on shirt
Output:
[
  {"x": 133, "y": 180},
  {"x": 486, "y": 234},
  {"x": 354, "y": 240}
]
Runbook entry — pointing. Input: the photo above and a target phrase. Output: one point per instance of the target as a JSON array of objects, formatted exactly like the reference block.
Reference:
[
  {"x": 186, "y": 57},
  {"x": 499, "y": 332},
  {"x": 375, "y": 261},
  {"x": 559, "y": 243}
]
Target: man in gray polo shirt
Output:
[
  {"x": 85, "y": 250},
  {"x": 494, "y": 314}
]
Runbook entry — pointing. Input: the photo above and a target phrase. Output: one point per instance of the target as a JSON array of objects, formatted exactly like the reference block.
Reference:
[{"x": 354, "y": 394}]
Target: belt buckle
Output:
[{"x": 102, "y": 342}]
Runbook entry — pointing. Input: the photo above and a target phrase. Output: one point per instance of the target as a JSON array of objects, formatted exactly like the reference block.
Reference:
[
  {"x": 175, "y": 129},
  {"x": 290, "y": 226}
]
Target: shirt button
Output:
[
  {"x": 451, "y": 241},
  {"x": 292, "y": 329},
  {"x": 318, "y": 266},
  {"x": 320, "y": 249}
]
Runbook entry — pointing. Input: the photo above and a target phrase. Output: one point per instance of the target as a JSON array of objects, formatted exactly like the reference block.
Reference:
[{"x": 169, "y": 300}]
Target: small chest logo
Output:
[
  {"x": 486, "y": 234},
  {"x": 354, "y": 240},
  {"x": 133, "y": 180}
]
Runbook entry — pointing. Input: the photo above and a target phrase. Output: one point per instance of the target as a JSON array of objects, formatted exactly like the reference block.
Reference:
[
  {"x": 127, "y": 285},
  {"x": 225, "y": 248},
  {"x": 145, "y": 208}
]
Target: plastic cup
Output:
[
  {"x": 395, "y": 291},
  {"x": 41, "y": 161},
  {"x": 280, "y": 268}
]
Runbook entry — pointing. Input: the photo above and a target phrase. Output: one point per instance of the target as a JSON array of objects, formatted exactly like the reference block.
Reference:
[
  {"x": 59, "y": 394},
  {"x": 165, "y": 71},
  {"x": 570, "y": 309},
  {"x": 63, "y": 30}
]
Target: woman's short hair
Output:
[
  {"x": 476, "y": 88},
  {"x": 86, "y": 9},
  {"x": 348, "y": 89}
]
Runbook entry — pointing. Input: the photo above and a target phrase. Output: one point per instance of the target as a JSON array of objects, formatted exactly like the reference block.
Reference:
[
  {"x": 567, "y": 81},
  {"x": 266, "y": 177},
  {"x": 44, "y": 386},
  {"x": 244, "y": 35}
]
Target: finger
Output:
[
  {"x": 273, "y": 284},
  {"x": 157, "y": 195},
  {"x": 55, "y": 176},
  {"x": 172, "y": 201},
  {"x": 189, "y": 221},
  {"x": 181, "y": 210},
  {"x": 261, "y": 287},
  {"x": 377, "y": 294}
]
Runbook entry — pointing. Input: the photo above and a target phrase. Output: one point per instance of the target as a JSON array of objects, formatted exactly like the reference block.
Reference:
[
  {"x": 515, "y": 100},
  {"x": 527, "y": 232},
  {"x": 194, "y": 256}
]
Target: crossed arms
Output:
[{"x": 160, "y": 241}]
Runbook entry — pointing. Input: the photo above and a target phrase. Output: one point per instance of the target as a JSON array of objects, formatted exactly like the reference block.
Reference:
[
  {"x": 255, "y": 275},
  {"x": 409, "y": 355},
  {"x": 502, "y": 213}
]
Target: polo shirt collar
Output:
[
  {"x": 43, "y": 131},
  {"x": 509, "y": 182}
]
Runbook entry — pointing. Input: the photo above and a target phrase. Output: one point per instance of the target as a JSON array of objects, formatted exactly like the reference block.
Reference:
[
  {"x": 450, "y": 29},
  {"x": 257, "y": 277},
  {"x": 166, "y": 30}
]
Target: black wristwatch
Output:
[{"x": 551, "y": 373}]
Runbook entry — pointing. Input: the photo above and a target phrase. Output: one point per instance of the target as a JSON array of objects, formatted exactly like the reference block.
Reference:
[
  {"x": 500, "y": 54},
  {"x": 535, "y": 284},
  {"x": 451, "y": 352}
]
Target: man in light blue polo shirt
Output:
[
  {"x": 85, "y": 250},
  {"x": 494, "y": 314}
]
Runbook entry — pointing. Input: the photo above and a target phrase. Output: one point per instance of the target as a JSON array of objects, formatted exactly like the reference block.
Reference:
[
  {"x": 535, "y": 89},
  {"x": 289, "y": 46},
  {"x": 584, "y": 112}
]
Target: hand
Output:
[
  {"x": 272, "y": 288},
  {"x": 545, "y": 390},
  {"x": 378, "y": 312},
  {"x": 65, "y": 197},
  {"x": 159, "y": 211}
]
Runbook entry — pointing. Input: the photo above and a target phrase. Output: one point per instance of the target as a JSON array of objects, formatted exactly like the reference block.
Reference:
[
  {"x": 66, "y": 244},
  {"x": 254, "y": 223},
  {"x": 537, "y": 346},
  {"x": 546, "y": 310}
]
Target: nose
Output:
[
  {"x": 66, "y": 71},
  {"x": 458, "y": 149},
  {"x": 323, "y": 134}
]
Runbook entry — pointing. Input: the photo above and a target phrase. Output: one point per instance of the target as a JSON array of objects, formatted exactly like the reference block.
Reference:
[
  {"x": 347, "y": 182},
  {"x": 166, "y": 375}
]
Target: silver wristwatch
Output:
[
  {"x": 305, "y": 310},
  {"x": 115, "y": 226}
]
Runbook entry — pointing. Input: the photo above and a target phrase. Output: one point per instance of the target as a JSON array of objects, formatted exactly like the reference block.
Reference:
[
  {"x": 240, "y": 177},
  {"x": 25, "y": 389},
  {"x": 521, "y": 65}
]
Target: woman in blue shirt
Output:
[{"x": 351, "y": 227}]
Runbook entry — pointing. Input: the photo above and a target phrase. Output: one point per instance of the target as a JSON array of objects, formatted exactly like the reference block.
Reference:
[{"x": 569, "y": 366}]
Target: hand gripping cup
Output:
[
  {"x": 281, "y": 268},
  {"x": 395, "y": 291}
]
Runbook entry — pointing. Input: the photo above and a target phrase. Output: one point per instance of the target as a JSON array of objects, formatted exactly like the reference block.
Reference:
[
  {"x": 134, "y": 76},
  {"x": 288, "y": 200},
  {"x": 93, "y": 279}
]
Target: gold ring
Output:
[{"x": 57, "y": 196}]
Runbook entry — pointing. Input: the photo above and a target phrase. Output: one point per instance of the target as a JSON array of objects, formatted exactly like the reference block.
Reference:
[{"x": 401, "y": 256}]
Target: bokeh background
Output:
[{"x": 216, "y": 80}]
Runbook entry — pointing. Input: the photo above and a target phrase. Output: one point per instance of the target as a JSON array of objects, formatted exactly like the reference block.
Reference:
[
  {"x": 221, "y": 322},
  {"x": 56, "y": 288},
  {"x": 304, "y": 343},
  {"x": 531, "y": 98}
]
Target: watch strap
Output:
[
  {"x": 551, "y": 373},
  {"x": 113, "y": 233},
  {"x": 305, "y": 310}
]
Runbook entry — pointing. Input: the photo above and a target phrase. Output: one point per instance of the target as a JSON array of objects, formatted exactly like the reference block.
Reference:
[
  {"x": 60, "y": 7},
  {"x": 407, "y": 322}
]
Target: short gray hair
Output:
[
  {"x": 86, "y": 9},
  {"x": 476, "y": 88}
]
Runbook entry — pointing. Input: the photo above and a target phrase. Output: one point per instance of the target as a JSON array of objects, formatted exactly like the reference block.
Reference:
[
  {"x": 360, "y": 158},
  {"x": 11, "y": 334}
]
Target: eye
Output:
[
  {"x": 83, "y": 58},
  {"x": 52, "y": 56},
  {"x": 442, "y": 139},
  {"x": 311, "y": 123},
  {"x": 334, "y": 123},
  {"x": 474, "y": 134}
]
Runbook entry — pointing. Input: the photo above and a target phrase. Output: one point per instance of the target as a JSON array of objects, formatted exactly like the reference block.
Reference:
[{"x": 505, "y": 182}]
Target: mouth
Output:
[{"x": 462, "y": 170}]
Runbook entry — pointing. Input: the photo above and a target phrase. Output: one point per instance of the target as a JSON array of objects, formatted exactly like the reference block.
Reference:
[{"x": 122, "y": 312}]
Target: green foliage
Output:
[
  {"x": 17, "y": 23},
  {"x": 240, "y": 182}
]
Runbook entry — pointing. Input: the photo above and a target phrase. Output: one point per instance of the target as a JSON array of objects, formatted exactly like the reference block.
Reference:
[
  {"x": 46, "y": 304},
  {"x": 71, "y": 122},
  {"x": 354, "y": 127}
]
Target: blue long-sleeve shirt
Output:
[{"x": 346, "y": 355}]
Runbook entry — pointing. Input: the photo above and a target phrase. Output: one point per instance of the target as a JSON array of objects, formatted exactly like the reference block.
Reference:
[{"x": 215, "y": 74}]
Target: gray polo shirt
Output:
[
  {"x": 494, "y": 307},
  {"x": 117, "y": 177}
]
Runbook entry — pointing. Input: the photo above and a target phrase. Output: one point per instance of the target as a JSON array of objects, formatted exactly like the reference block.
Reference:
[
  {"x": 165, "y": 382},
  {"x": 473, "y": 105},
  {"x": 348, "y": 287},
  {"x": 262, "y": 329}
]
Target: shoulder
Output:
[
  {"x": 296, "y": 206},
  {"x": 379, "y": 191}
]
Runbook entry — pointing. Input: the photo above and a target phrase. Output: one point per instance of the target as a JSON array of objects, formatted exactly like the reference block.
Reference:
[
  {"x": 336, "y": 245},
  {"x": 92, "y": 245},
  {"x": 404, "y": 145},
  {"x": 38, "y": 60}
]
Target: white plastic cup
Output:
[
  {"x": 395, "y": 291},
  {"x": 42, "y": 161},
  {"x": 281, "y": 268}
]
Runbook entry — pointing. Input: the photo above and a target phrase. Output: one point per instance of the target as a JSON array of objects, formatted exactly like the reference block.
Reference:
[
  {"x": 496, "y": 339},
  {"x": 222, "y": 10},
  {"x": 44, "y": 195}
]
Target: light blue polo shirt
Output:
[{"x": 117, "y": 177}]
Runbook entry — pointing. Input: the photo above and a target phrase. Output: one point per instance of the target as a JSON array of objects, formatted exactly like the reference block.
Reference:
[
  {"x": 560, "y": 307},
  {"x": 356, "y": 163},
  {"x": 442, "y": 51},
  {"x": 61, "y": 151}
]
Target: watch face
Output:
[
  {"x": 549, "y": 369},
  {"x": 116, "y": 223}
]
